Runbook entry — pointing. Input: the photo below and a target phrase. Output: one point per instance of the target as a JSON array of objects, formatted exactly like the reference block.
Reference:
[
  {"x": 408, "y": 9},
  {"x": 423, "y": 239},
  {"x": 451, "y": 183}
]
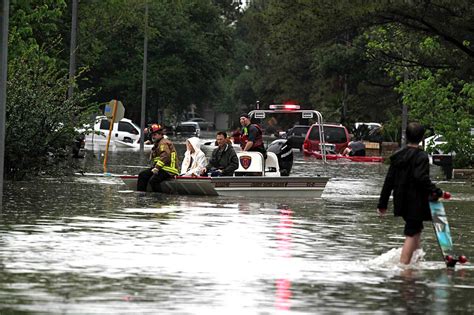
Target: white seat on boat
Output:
[
  {"x": 250, "y": 163},
  {"x": 272, "y": 168}
]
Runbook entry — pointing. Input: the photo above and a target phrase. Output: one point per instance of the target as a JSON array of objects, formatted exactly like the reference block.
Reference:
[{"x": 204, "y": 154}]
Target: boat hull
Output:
[{"x": 245, "y": 186}]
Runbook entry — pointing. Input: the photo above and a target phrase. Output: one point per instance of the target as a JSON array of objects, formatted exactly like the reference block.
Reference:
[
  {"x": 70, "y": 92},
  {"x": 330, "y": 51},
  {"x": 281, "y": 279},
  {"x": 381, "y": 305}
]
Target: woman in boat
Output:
[{"x": 194, "y": 161}]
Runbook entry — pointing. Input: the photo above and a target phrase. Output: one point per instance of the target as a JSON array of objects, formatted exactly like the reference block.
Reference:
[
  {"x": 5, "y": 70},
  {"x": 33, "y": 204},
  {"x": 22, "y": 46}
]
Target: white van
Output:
[{"x": 124, "y": 130}]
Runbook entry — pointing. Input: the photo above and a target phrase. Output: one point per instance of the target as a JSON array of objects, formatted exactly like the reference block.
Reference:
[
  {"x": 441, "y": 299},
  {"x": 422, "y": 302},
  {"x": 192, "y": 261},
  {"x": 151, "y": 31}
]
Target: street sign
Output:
[
  {"x": 114, "y": 111},
  {"x": 109, "y": 110}
]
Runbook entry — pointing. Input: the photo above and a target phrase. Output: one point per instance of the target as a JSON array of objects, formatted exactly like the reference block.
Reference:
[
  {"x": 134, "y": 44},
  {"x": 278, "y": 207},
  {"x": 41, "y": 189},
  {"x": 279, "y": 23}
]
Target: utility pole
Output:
[
  {"x": 4, "y": 14},
  {"x": 72, "y": 50},
  {"x": 145, "y": 59},
  {"x": 404, "y": 115},
  {"x": 344, "y": 101}
]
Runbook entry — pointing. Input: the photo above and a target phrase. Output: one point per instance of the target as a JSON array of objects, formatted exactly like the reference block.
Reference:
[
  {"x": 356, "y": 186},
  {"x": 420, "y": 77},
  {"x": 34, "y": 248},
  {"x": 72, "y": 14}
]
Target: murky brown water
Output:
[{"x": 87, "y": 246}]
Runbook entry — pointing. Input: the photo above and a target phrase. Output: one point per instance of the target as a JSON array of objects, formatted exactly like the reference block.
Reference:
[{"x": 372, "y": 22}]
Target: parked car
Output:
[
  {"x": 335, "y": 135},
  {"x": 203, "y": 124},
  {"x": 124, "y": 130},
  {"x": 432, "y": 144},
  {"x": 187, "y": 129},
  {"x": 296, "y": 135}
]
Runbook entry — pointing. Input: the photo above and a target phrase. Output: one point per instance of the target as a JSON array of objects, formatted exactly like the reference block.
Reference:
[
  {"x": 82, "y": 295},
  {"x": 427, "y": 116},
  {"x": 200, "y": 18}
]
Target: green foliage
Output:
[
  {"x": 447, "y": 106},
  {"x": 188, "y": 49},
  {"x": 39, "y": 120}
]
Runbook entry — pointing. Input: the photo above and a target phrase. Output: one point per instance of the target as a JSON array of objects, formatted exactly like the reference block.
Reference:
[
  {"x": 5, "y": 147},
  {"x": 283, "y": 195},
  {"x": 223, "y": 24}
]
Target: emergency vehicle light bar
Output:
[{"x": 285, "y": 107}]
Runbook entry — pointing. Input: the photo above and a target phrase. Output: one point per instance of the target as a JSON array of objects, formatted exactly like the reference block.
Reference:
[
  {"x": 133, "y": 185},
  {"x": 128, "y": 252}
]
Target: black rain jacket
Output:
[
  {"x": 224, "y": 159},
  {"x": 409, "y": 179}
]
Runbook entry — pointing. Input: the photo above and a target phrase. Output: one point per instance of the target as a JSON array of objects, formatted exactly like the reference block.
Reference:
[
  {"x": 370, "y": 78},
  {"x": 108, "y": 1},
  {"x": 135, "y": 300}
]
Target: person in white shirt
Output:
[{"x": 194, "y": 161}]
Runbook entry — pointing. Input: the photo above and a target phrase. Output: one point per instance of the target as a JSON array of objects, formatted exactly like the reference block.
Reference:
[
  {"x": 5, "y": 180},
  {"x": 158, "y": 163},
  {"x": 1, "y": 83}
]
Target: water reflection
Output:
[{"x": 283, "y": 284}]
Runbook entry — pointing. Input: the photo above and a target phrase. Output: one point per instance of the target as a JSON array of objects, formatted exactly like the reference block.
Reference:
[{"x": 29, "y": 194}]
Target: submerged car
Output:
[
  {"x": 296, "y": 135},
  {"x": 336, "y": 137},
  {"x": 434, "y": 143},
  {"x": 124, "y": 130}
]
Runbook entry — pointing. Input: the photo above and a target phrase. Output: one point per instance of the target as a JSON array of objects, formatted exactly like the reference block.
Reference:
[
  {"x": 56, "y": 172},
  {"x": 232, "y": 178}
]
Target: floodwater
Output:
[{"x": 85, "y": 245}]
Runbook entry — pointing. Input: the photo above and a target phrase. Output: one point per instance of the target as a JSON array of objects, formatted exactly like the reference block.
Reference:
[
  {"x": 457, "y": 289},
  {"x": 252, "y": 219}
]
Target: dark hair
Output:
[
  {"x": 222, "y": 133},
  {"x": 415, "y": 132},
  {"x": 244, "y": 115}
]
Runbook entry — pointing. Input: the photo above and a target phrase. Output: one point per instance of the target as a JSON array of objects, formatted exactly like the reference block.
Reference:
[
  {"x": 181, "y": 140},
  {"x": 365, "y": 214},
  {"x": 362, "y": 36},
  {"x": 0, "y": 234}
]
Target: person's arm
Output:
[
  {"x": 199, "y": 164},
  {"x": 421, "y": 172},
  {"x": 252, "y": 135},
  {"x": 248, "y": 146},
  {"x": 233, "y": 163},
  {"x": 421, "y": 175},
  {"x": 386, "y": 190},
  {"x": 163, "y": 158}
]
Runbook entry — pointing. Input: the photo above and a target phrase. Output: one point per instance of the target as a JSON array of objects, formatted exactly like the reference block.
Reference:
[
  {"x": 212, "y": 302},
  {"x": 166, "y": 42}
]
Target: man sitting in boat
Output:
[
  {"x": 194, "y": 161},
  {"x": 165, "y": 162},
  {"x": 223, "y": 160},
  {"x": 252, "y": 136},
  {"x": 354, "y": 148}
]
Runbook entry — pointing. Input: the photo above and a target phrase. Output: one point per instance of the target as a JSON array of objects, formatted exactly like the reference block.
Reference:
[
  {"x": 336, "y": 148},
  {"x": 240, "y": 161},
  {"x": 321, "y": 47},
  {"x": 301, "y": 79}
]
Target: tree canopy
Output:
[{"x": 351, "y": 60}]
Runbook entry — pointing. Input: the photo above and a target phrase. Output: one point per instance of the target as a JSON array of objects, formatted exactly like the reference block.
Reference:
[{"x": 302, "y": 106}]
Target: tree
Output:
[
  {"x": 40, "y": 120},
  {"x": 188, "y": 48}
]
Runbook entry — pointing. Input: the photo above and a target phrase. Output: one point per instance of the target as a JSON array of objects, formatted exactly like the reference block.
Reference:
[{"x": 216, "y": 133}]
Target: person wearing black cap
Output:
[
  {"x": 252, "y": 136},
  {"x": 164, "y": 162}
]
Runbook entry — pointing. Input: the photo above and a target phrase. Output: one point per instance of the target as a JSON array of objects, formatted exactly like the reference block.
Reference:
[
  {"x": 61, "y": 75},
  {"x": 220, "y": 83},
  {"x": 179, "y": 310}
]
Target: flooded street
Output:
[{"x": 86, "y": 245}]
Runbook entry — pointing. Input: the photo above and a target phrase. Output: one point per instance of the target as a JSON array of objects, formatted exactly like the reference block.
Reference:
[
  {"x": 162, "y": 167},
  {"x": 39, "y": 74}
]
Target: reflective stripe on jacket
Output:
[{"x": 164, "y": 156}]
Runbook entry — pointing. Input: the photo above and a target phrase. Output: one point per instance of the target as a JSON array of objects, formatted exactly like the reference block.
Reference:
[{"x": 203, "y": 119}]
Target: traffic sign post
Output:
[
  {"x": 114, "y": 111},
  {"x": 116, "y": 106}
]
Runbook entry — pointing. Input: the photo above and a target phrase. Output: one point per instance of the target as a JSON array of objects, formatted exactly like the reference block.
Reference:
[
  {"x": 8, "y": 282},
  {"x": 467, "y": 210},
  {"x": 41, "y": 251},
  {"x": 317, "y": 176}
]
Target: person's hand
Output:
[
  {"x": 381, "y": 211},
  {"x": 435, "y": 194},
  {"x": 155, "y": 170}
]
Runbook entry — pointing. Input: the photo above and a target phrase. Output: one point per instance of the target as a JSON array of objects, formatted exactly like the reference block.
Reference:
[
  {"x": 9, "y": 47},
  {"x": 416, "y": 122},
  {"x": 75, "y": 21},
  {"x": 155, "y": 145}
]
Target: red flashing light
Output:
[{"x": 285, "y": 107}]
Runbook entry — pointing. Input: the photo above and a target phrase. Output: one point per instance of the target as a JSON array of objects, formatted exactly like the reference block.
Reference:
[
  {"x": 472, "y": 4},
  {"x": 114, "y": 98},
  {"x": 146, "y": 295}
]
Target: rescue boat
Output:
[{"x": 253, "y": 178}]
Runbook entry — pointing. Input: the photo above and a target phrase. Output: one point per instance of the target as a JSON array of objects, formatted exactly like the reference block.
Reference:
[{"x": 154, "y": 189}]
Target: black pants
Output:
[{"x": 147, "y": 176}]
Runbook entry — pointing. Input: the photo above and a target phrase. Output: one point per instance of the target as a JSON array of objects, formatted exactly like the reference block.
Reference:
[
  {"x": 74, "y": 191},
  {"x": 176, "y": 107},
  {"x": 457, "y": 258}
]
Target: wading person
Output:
[
  {"x": 164, "y": 162},
  {"x": 409, "y": 179},
  {"x": 223, "y": 160}
]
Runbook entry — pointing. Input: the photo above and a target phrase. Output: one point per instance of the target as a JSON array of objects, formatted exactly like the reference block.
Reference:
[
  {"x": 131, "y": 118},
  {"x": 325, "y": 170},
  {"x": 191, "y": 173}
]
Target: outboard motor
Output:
[{"x": 284, "y": 154}]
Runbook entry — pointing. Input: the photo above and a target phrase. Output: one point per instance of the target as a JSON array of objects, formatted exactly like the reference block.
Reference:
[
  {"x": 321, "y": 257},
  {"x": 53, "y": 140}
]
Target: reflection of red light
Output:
[
  {"x": 283, "y": 285},
  {"x": 283, "y": 294}
]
